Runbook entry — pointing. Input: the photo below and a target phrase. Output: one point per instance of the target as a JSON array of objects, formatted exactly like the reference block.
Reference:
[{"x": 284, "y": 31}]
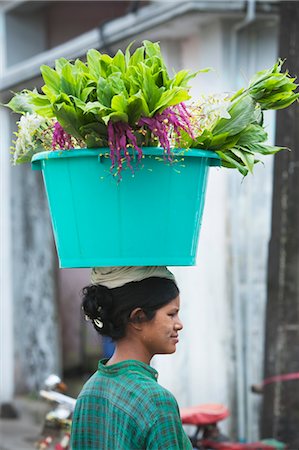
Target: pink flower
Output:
[
  {"x": 120, "y": 134},
  {"x": 120, "y": 137},
  {"x": 61, "y": 138},
  {"x": 171, "y": 120}
]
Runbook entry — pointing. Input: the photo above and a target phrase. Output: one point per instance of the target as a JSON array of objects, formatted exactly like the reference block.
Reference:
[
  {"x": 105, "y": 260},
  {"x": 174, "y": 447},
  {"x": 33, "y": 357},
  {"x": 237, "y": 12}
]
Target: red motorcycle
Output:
[{"x": 208, "y": 436}]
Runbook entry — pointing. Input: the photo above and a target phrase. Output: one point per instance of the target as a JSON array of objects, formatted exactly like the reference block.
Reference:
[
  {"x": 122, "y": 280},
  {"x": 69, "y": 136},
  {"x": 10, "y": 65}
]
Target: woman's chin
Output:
[{"x": 167, "y": 351}]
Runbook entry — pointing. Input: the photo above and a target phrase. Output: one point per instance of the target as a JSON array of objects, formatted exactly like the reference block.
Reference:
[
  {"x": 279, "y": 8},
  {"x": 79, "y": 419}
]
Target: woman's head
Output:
[{"x": 111, "y": 310}]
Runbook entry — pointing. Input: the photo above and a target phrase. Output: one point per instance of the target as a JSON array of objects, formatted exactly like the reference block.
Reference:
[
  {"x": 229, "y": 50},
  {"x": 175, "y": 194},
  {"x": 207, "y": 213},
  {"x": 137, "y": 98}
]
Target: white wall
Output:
[
  {"x": 25, "y": 34},
  {"x": 201, "y": 370},
  {"x": 6, "y": 297}
]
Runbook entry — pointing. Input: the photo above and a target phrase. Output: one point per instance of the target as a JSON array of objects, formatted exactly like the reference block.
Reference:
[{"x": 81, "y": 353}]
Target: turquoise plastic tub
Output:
[{"x": 151, "y": 218}]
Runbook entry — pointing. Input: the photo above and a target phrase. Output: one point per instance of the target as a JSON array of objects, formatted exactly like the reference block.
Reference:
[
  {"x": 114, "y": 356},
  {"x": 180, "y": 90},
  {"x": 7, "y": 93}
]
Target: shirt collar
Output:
[{"x": 130, "y": 365}]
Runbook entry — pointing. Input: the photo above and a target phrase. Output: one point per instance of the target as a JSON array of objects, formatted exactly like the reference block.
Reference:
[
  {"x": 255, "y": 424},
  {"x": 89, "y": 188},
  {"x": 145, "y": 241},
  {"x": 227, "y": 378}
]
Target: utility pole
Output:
[{"x": 280, "y": 412}]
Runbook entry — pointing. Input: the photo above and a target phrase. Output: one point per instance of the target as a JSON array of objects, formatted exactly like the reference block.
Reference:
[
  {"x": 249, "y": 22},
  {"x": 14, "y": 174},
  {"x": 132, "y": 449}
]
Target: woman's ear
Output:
[{"x": 137, "y": 318}]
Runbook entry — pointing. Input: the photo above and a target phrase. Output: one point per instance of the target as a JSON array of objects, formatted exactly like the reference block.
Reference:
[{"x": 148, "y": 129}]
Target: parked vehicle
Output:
[
  {"x": 205, "y": 418},
  {"x": 207, "y": 435},
  {"x": 57, "y": 425}
]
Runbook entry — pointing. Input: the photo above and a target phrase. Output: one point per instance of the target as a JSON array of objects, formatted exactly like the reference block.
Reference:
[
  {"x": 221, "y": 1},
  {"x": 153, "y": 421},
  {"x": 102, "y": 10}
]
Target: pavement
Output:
[{"x": 23, "y": 432}]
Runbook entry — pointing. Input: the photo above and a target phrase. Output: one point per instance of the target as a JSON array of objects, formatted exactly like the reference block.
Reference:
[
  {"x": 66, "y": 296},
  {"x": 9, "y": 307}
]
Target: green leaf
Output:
[
  {"x": 59, "y": 64},
  {"x": 150, "y": 91},
  {"x": 41, "y": 104},
  {"x": 117, "y": 83},
  {"x": 182, "y": 78},
  {"x": 115, "y": 117},
  {"x": 92, "y": 140},
  {"x": 104, "y": 92},
  {"x": 242, "y": 114},
  {"x": 81, "y": 67},
  {"x": 135, "y": 110},
  {"x": 223, "y": 142},
  {"x": 171, "y": 97},
  {"x": 152, "y": 49},
  {"x": 128, "y": 54},
  {"x": 253, "y": 133},
  {"x": 119, "y": 61},
  {"x": 144, "y": 105},
  {"x": 95, "y": 134},
  {"x": 63, "y": 98},
  {"x": 69, "y": 118},
  {"x": 119, "y": 103},
  {"x": 271, "y": 88},
  {"x": 20, "y": 103},
  {"x": 105, "y": 63},
  {"x": 86, "y": 93},
  {"x": 202, "y": 141},
  {"x": 69, "y": 85},
  {"x": 78, "y": 102},
  {"x": 264, "y": 149},
  {"x": 246, "y": 157},
  {"x": 137, "y": 57},
  {"x": 283, "y": 102},
  {"x": 96, "y": 127},
  {"x": 95, "y": 108},
  {"x": 51, "y": 79},
  {"x": 233, "y": 163},
  {"x": 93, "y": 63},
  {"x": 49, "y": 94}
]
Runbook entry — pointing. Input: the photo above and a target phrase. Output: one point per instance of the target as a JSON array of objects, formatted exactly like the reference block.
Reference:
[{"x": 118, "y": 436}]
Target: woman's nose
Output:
[{"x": 179, "y": 324}]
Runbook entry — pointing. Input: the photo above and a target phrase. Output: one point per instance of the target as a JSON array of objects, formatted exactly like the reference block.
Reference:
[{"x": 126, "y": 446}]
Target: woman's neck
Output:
[{"x": 126, "y": 349}]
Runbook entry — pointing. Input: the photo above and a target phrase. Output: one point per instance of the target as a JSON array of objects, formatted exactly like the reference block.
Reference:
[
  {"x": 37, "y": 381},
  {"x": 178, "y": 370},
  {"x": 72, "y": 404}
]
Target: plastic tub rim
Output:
[{"x": 147, "y": 151}]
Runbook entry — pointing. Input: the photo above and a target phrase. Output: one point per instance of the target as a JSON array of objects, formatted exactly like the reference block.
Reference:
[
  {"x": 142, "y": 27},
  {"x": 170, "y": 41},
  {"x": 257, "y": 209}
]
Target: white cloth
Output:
[{"x": 117, "y": 276}]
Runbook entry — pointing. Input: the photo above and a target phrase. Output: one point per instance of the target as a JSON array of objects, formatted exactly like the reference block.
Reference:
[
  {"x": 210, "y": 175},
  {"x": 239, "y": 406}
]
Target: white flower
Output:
[
  {"x": 30, "y": 127},
  {"x": 207, "y": 110}
]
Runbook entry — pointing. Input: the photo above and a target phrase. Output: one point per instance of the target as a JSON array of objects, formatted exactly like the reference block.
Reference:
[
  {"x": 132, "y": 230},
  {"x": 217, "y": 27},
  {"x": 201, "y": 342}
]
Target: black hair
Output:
[{"x": 112, "y": 307}]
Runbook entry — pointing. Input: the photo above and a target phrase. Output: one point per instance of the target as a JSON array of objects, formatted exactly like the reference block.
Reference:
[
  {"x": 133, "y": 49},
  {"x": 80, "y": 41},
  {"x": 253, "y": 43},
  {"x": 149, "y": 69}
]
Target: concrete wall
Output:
[
  {"x": 80, "y": 344},
  {"x": 36, "y": 319},
  {"x": 7, "y": 386},
  {"x": 66, "y": 20},
  {"x": 34, "y": 27}
]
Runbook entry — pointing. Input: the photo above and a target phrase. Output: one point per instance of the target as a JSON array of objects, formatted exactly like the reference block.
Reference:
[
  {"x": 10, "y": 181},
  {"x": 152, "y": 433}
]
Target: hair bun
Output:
[{"x": 96, "y": 298}]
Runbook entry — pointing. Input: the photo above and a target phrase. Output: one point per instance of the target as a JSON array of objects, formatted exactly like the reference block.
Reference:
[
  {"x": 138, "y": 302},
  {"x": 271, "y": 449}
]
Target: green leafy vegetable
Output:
[{"x": 239, "y": 137}]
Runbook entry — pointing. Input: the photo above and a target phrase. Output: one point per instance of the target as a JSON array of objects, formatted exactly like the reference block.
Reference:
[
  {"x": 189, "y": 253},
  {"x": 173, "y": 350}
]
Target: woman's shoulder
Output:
[
  {"x": 157, "y": 395},
  {"x": 162, "y": 398},
  {"x": 129, "y": 386}
]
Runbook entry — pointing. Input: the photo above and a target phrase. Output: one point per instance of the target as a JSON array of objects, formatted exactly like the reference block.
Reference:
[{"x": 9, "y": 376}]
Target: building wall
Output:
[
  {"x": 36, "y": 320},
  {"x": 81, "y": 346},
  {"x": 34, "y": 27},
  {"x": 65, "y": 20}
]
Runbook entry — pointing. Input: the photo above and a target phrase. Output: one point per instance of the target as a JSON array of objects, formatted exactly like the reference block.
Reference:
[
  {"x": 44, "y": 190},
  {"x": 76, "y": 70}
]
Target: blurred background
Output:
[{"x": 240, "y": 303}]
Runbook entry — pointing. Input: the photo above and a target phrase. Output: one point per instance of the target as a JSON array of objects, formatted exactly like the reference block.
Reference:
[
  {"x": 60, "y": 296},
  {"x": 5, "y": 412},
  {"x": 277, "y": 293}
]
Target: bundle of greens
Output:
[
  {"x": 239, "y": 135},
  {"x": 129, "y": 101},
  {"x": 103, "y": 102}
]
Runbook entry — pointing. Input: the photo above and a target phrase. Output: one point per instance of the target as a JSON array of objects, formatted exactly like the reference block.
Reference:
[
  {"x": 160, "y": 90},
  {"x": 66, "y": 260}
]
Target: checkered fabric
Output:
[{"x": 122, "y": 407}]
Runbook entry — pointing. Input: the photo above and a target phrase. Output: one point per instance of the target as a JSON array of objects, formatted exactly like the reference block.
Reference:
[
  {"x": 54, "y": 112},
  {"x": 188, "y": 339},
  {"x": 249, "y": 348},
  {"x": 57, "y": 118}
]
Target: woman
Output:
[{"x": 122, "y": 407}]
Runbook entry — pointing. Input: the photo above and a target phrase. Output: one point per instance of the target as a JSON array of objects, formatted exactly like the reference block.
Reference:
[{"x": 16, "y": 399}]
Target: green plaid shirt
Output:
[{"x": 122, "y": 407}]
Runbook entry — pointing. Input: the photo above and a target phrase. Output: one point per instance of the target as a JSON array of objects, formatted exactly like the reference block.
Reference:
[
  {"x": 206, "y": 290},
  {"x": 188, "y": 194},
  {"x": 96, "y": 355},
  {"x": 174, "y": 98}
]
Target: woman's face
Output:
[{"x": 160, "y": 335}]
